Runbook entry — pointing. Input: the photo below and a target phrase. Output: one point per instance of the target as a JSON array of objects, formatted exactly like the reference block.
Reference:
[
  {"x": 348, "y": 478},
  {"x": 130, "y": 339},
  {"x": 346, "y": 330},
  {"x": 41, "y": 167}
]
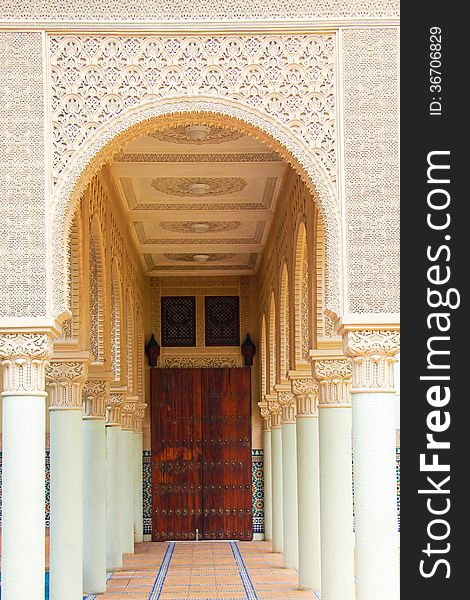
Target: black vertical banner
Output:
[{"x": 435, "y": 388}]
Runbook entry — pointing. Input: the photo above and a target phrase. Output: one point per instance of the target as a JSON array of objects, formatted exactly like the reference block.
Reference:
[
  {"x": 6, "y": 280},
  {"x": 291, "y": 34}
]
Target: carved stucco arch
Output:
[
  {"x": 273, "y": 343},
  {"x": 110, "y": 138},
  {"x": 139, "y": 353},
  {"x": 117, "y": 338},
  {"x": 301, "y": 298},
  {"x": 284, "y": 317},
  {"x": 97, "y": 292},
  {"x": 264, "y": 355},
  {"x": 130, "y": 325}
]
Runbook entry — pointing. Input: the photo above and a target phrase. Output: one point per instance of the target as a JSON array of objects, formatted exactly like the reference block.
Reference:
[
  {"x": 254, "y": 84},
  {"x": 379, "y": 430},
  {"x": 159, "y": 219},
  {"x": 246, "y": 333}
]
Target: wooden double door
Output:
[{"x": 201, "y": 454}]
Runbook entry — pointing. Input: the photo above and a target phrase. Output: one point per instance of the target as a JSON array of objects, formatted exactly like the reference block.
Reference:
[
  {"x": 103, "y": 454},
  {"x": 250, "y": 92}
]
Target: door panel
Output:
[
  {"x": 176, "y": 454},
  {"x": 201, "y": 459},
  {"x": 227, "y": 494}
]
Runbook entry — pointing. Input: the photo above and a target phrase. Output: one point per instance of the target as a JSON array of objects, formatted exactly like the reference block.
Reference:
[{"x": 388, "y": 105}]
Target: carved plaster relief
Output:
[
  {"x": 187, "y": 10},
  {"x": 290, "y": 77},
  {"x": 22, "y": 183},
  {"x": 371, "y": 157},
  {"x": 182, "y": 135}
]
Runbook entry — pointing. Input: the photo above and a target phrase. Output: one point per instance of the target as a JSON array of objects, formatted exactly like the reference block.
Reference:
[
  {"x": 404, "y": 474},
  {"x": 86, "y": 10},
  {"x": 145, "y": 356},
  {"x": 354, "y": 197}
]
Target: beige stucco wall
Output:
[{"x": 353, "y": 169}]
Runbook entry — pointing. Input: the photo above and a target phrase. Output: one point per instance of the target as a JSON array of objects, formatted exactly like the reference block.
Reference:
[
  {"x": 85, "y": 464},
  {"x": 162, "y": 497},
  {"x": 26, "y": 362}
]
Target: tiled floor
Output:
[
  {"x": 209, "y": 570},
  {"x": 202, "y": 570}
]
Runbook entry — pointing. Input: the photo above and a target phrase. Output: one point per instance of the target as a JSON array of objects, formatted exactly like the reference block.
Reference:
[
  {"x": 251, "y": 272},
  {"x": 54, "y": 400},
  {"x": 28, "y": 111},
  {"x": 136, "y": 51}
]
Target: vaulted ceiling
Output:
[{"x": 200, "y": 200}]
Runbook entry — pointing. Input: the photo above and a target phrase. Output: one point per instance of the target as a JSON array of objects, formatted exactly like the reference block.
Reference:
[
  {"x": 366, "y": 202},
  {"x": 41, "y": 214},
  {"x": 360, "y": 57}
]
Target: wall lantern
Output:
[
  {"x": 248, "y": 351},
  {"x": 152, "y": 350}
]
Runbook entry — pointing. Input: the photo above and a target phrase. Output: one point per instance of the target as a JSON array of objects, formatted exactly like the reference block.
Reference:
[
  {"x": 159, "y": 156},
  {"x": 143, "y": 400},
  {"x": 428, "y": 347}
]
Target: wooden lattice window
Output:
[
  {"x": 178, "y": 321},
  {"x": 222, "y": 320}
]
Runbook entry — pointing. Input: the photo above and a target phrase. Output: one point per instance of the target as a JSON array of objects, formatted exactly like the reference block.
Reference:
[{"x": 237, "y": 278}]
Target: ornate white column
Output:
[
  {"x": 336, "y": 507},
  {"x": 65, "y": 381},
  {"x": 24, "y": 359},
  {"x": 373, "y": 354},
  {"x": 267, "y": 471},
  {"x": 95, "y": 393},
  {"x": 127, "y": 477},
  {"x": 276, "y": 458},
  {"x": 138, "y": 472},
  {"x": 113, "y": 481},
  {"x": 305, "y": 390},
  {"x": 289, "y": 477}
]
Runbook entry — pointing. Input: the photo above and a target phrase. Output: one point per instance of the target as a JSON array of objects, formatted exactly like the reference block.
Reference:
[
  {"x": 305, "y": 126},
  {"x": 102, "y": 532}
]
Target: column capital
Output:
[
  {"x": 139, "y": 414},
  {"x": 287, "y": 401},
  {"x": 24, "y": 357},
  {"x": 333, "y": 372},
  {"x": 306, "y": 391},
  {"x": 274, "y": 408},
  {"x": 128, "y": 413},
  {"x": 65, "y": 379},
  {"x": 95, "y": 392},
  {"x": 266, "y": 415},
  {"x": 25, "y": 345},
  {"x": 114, "y": 404},
  {"x": 372, "y": 352}
]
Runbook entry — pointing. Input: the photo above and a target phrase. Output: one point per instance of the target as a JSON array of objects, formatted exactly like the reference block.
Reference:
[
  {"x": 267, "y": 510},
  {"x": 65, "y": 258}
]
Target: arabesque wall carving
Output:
[
  {"x": 96, "y": 78},
  {"x": 282, "y": 85},
  {"x": 57, "y": 11},
  {"x": 371, "y": 162},
  {"x": 22, "y": 184}
]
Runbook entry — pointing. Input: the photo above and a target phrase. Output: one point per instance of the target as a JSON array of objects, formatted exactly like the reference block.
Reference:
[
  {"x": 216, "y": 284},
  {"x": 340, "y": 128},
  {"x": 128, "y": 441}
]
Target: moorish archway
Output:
[{"x": 108, "y": 90}]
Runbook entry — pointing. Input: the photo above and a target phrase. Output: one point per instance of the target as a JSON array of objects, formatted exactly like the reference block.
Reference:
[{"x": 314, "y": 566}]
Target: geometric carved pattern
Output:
[
  {"x": 197, "y": 362},
  {"x": 147, "y": 491},
  {"x": 182, "y": 186},
  {"x": 222, "y": 320},
  {"x": 195, "y": 158},
  {"x": 282, "y": 85},
  {"x": 96, "y": 78},
  {"x": 187, "y": 226},
  {"x": 373, "y": 356},
  {"x": 200, "y": 362},
  {"x": 129, "y": 11},
  {"x": 22, "y": 181},
  {"x": 266, "y": 202},
  {"x": 178, "y": 321},
  {"x": 301, "y": 287},
  {"x": 180, "y": 135},
  {"x": 371, "y": 126},
  {"x": 257, "y": 470}
]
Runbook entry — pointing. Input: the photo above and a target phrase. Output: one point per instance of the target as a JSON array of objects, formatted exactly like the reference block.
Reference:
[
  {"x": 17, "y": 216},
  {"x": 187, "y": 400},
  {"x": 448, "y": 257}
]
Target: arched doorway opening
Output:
[{"x": 185, "y": 222}]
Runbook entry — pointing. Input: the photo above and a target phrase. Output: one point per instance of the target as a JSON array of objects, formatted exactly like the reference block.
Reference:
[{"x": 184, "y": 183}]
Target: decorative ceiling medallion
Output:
[
  {"x": 198, "y": 186},
  {"x": 196, "y": 134},
  {"x": 194, "y": 256},
  {"x": 193, "y": 226}
]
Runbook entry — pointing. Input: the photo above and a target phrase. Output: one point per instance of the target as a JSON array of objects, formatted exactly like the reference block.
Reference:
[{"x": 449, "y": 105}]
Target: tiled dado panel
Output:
[
  {"x": 257, "y": 482},
  {"x": 147, "y": 491}
]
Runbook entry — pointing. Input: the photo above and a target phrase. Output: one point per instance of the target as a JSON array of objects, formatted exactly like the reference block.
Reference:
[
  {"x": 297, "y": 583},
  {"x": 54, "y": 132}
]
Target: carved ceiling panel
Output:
[
  {"x": 199, "y": 186},
  {"x": 199, "y": 207},
  {"x": 207, "y": 227}
]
